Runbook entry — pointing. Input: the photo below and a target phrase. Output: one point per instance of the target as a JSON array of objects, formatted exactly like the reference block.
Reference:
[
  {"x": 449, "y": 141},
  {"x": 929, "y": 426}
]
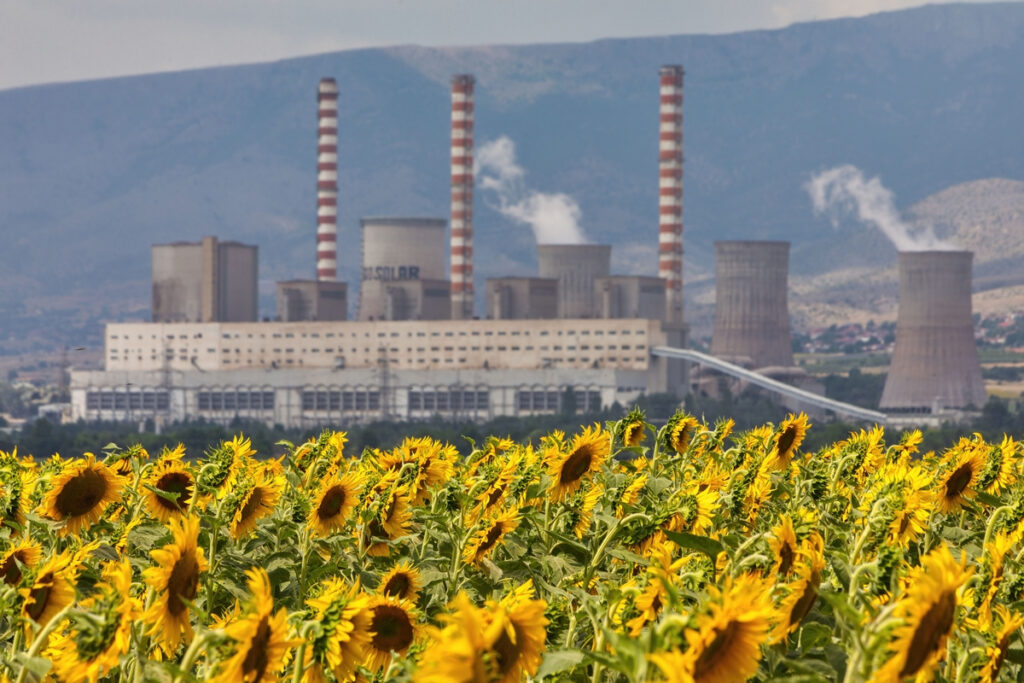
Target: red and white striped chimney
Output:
[
  {"x": 462, "y": 197},
  {"x": 670, "y": 191},
  {"x": 327, "y": 181}
]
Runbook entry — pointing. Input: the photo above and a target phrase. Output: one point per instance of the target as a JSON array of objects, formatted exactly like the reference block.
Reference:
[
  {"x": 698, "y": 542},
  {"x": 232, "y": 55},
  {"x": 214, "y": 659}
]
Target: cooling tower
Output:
[
  {"x": 399, "y": 253},
  {"x": 935, "y": 362},
  {"x": 575, "y": 267},
  {"x": 327, "y": 181},
  {"x": 670, "y": 190},
  {"x": 462, "y": 197},
  {"x": 751, "y": 308}
]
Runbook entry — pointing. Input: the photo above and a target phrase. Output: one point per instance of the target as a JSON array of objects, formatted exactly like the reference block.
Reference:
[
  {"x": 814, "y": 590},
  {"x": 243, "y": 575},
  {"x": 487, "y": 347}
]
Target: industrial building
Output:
[
  {"x": 205, "y": 281},
  {"x": 576, "y": 333},
  {"x": 935, "y": 363}
]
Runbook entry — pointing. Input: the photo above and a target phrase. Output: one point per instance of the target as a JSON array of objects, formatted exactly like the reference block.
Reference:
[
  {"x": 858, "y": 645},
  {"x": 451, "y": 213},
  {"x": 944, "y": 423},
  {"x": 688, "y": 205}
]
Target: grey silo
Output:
[
  {"x": 400, "y": 254},
  {"x": 575, "y": 267},
  {"x": 751, "y": 303},
  {"x": 935, "y": 361}
]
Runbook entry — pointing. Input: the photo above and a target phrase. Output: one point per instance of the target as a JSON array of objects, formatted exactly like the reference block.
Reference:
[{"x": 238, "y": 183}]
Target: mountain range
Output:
[{"x": 92, "y": 173}]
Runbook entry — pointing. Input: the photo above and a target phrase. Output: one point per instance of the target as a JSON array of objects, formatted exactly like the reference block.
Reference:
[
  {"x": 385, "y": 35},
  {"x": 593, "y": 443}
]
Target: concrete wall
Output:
[
  {"x": 237, "y": 282},
  {"x": 177, "y": 282},
  {"x": 935, "y": 361},
  {"x": 300, "y": 300},
  {"x": 575, "y": 266},
  {"x": 522, "y": 298},
  {"x": 630, "y": 296},
  {"x": 398, "y": 252},
  {"x": 751, "y": 304}
]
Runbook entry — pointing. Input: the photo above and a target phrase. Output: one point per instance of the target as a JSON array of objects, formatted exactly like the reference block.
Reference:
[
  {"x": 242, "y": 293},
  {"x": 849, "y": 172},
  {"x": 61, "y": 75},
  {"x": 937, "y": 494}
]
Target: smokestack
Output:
[
  {"x": 670, "y": 191},
  {"x": 327, "y": 181},
  {"x": 751, "y": 303},
  {"x": 935, "y": 362},
  {"x": 462, "y": 197}
]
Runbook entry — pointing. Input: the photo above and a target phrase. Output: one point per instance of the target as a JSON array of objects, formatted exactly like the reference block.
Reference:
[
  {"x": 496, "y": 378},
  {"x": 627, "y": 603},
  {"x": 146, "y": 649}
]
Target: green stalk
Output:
[{"x": 41, "y": 639}]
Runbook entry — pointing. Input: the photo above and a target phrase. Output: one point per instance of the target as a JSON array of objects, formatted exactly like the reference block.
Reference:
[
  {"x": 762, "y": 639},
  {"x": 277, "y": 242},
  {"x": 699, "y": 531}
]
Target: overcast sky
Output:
[{"x": 44, "y": 41}]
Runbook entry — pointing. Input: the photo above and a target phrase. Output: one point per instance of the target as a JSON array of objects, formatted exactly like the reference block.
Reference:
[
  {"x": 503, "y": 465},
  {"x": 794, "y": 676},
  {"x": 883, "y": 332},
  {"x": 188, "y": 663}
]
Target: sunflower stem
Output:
[
  {"x": 304, "y": 549},
  {"x": 41, "y": 639},
  {"x": 992, "y": 522},
  {"x": 194, "y": 648}
]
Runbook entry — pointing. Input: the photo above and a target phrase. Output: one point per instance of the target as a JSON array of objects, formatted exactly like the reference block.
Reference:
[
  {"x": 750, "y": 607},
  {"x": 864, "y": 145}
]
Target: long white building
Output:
[{"x": 303, "y": 374}]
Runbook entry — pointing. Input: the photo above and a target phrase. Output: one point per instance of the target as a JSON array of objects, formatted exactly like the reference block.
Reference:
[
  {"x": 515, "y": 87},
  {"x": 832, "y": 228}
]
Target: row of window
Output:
[
  {"x": 331, "y": 335},
  {"x": 127, "y": 400},
  {"x": 236, "y": 400},
  {"x": 341, "y": 400},
  {"x": 449, "y": 399},
  {"x": 534, "y": 401}
]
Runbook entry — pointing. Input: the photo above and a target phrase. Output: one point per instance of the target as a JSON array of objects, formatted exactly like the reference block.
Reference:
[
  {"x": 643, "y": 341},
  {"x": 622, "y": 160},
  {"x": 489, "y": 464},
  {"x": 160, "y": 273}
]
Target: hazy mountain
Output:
[{"x": 93, "y": 173}]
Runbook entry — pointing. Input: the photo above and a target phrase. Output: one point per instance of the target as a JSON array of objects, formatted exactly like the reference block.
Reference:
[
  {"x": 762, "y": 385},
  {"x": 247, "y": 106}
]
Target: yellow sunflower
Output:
[
  {"x": 21, "y": 555},
  {"x": 456, "y": 653},
  {"x": 93, "y": 648},
  {"x": 925, "y": 616},
  {"x": 253, "y": 501},
  {"x": 339, "y": 646},
  {"x": 80, "y": 493},
  {"x": 171, "y": 478},
  {"x": 962, "y": 471},
  {"x": 679, "y": 432},
  {"x": 726, "y": 645},
  {"x": 784, "y": 545},
  {"x": 492, "y": 530},
  {"x": 801, "y": 593},
  {"x": 631, "y": 494},
  {"x": 516, "y": 635},
  {"x": 50, "y": 589},
  {"x": 333, "y": 503},
  {"x": 787, "y": 440},
  {"x": 402, "y": 582},
  {"x": 587, "y": 451},
  {"x": 394, "y": 624},
  {"x": 260, "y": 637},
  {"x": 391, "y": 521},
  {"x": 995, "y": 653},
  {"x": 175, "y": 583},
  {"x": 632, "y": 429},
  {"x": 585, "y": 514}
]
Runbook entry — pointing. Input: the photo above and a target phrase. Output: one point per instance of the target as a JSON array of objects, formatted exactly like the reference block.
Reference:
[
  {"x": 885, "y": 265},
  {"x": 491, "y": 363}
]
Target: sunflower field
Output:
[{"x": 623, "y": 552}]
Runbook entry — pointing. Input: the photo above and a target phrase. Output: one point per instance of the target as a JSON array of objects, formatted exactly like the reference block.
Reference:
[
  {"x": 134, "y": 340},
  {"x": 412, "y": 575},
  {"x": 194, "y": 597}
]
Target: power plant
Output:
[
  {"x": 935, "y": 363},
  {"x": 751, "y": 304},
  {"x": 574, "y": 331}
]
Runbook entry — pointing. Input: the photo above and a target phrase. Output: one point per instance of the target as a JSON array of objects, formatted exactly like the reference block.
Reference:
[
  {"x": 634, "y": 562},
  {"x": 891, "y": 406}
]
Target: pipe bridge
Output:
[{"x": 760, "y": 380}]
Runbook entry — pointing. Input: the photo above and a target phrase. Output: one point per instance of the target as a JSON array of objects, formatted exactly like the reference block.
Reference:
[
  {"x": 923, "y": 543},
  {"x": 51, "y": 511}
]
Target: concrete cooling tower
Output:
[
  {"x": 575, "y": 267},
  {"x": 404, "y": 270},
  {"x": 751, "y": 304},
  {"x": 935, "y": 361}
]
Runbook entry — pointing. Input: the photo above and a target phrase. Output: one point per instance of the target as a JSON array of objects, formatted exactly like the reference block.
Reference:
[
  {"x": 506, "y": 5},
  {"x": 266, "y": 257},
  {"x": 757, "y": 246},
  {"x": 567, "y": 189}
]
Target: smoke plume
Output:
[
  {"x": 554, "y": 217},
  {"x": 844, "y": 189}
]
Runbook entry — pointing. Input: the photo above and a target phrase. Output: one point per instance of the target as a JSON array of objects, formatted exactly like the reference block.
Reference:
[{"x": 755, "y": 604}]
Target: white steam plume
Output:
[
  {"x": 845, "y": 189},
  {"x": 555, "y": 218}
]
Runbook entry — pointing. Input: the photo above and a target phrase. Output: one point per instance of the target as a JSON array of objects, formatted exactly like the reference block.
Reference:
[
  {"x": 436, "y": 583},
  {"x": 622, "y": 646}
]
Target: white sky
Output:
[{"x": 44, "y": 41}]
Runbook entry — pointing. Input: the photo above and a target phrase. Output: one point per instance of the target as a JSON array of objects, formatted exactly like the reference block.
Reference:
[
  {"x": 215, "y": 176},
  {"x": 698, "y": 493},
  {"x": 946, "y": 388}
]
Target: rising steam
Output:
[
  {"x": 844, "y": 189},
  {"x": 555, "y": 218}
]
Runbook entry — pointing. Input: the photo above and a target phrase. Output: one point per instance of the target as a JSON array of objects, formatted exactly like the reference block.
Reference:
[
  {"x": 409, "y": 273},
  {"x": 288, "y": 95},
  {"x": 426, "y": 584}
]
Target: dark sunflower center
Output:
[
  {"x": 331, "y": 503},
  {"x": 928, "y": 635},
  {"x": 397, "y": 585},
  {"x": 786, "y": 440},
  {"x": 81, "y": 494},
  {"x": 959, "y": 480},
  {"x": 253, "y": 504},
  {"x": 786, "y": 556},
  {"x": 174, "y": 482},
  {"x": 40, "y": 595},
  {"x": 719, "y": 649},
  {"x": 682, "y": 439},
  {"x": 634, "y": 434},
  {"x": 257, "y": 658},
  {"x": 904, "y": 523},
  {"x": 507, "y": 652},
  {"x": 492, "y": 537},
  {"x": 1004, "y": 647},
  {"x": 656, "y": 603},
  {"x": 9, "y": 569},
  {"x": 182, "y": 583},
  {"x": 494, "y": 495},
  {"x": 577, "y": 464},
  {"x": 392, "y": 628}
]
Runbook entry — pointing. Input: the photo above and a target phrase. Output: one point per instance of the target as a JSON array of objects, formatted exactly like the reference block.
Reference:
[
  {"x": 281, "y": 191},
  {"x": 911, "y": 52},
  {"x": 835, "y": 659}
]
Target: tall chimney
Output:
[
  {"x": 935, "y": 361},
  {"x": 462, "y": 197},
  {"x": 327, "y": 181},
  {"x": 670, "y": 191}
]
